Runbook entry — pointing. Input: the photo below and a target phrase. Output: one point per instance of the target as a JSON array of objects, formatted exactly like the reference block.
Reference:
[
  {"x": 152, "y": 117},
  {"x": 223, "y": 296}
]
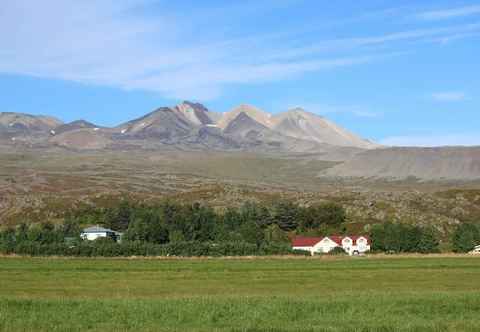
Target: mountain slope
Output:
[
  {"x": 74, "y": 125},
  {"x": 163, "y": 123},
  {"x": 455, "y": 163},
  {"x": 256, "y": 137},
  {"x": 196, "y": 113},
  {"x": 308, "y": 126},
  {"x": 82, "y": 139},
  {"x": 244, "y": 126},
  {"x": 21, "y": 122},
  {"x": 300, "y": 125}
]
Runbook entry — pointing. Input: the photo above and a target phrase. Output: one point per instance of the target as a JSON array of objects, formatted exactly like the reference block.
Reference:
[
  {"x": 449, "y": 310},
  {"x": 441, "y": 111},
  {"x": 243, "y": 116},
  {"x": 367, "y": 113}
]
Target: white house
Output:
[
  {"x": 353, "y": 245},
  {"x": 476, "y": 250},
  {"x": 95, "y": 232}
]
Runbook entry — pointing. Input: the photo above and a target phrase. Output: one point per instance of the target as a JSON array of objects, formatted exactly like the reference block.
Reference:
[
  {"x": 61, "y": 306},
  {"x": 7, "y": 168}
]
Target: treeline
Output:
[
  {"x": 402, "y": 238},
  {"x": 252, "y": 223},
  {"x": 104, "y": 247},
  {"x": 398, "y": 238},
  {"x": 170, "y": 228}
]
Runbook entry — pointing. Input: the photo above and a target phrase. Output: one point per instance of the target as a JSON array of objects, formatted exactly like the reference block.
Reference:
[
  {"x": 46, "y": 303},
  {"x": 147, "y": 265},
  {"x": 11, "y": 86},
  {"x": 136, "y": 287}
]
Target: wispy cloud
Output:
[
  {"x": 117, "y": 43},
  {"x": 439, "y": 34},
  {"x": 105, "y": 43},
  {"x": 455, "y": 37},
  {"x": 450, "y": 96},
  {"x": 325, "y": 109},
  {"x": 433, "y": 140},
  {"x": 449, "y": 13}
]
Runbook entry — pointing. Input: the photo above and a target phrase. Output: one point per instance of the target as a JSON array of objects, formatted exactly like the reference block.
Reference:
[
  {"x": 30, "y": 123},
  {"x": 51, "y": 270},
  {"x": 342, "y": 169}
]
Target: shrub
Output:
[{"x": 337, "y": 251}]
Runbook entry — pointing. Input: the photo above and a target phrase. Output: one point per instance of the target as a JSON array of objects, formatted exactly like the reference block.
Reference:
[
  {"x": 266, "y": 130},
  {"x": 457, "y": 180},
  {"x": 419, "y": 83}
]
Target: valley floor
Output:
[{"x": 439, "y": 293}]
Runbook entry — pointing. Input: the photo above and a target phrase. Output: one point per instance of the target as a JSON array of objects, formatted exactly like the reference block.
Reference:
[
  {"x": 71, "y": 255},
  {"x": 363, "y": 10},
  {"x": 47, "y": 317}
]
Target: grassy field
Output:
[{"x": 296, "y": 294}]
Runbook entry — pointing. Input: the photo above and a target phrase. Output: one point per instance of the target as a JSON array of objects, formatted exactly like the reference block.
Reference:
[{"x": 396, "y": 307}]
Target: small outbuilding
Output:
[{"x": 95, "y": 232}]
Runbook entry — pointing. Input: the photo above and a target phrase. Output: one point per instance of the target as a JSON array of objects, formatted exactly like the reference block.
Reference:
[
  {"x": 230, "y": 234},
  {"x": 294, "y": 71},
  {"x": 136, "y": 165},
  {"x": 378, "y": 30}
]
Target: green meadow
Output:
[{"x": 436, "y": 293}]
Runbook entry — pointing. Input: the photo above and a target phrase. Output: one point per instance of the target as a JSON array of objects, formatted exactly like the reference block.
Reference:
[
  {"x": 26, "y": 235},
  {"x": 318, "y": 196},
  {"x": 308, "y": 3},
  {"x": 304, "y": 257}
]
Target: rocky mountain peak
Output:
[{"x": 256, "y": 114}]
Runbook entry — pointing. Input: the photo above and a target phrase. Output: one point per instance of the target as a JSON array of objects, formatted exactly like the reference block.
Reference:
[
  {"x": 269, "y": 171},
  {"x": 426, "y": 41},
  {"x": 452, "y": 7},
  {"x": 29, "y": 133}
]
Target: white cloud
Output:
[
  {"x": 450, "y": 96},
  {"x": 122, "y": 44},
  {"x": 102, "y": 42},
  {"x": 433, "y": 140},
  {"x": 450, "y": 13}
]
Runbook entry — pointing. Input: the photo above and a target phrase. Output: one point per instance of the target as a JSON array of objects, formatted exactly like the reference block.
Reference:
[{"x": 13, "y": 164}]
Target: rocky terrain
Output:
[
  {"x": 189, "y": 153},
  {"x": 245, "y": 129},
  {"x": 447, "y": 163}
]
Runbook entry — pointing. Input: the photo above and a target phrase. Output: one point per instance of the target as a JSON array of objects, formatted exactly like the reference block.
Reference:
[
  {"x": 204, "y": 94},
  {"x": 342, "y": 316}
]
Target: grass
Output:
[{"x": 302, "y": 294}]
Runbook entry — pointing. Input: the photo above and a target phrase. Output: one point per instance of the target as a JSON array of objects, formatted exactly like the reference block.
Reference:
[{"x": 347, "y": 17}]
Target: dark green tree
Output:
[
  {"x": 118, "y": 218},
  {"x": 465, "y": 237},
  {"x": 21, "y": 233},
  {"x": 71, "y": 227},
  {"x": 251, "y": 232},
  {"x": 286, "y": 215},
  {"x": 398, "y": 237},
  {"x": 326, "y": 217},
  {"x": 428, "y": 242},
  {"x": 201, "y": 223},
  {"x": 251, "y": 211},
  {"x": 7, "y": 240},
  {"x": 148, "y": 225},
  {"x": 273, "y": 234}
]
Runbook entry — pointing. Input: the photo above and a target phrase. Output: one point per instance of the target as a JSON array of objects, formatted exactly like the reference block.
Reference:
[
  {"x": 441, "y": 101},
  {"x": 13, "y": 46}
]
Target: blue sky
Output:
[{"x": 397, "y": 72}]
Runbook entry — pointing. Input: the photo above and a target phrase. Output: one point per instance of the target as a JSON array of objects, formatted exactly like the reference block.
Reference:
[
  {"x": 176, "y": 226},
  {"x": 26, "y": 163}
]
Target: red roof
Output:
[
  {"x": 310, "y": 241},
  {"x": 301, "y": 241},
  {"x": 336, "y": 238}
]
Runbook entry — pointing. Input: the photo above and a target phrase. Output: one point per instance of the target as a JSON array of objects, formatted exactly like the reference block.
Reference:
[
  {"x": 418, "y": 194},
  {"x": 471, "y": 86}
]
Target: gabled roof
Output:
[
  {"x": 339, "y": 238},
  {"x": 303, "y": 241},
  {"x": 356, "y": 237},
  {"x": 97, "y": 229}
]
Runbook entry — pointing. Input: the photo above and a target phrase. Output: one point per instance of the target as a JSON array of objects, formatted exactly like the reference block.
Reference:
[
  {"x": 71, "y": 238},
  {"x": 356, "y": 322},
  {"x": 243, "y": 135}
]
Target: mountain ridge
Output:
[
  {"x": 192, "y": 127},
  {"x": 244, "y": 127}
]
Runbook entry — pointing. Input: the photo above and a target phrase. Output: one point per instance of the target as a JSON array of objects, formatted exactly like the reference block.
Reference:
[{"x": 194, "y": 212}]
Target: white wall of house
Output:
[
  {"x": 361, "y": 246},
  {"x": 326, "y": 245},
  {"x": 93, "y": 236},
  {"x": 303, "y": 248},
  {"x": 475, "y": 250}
]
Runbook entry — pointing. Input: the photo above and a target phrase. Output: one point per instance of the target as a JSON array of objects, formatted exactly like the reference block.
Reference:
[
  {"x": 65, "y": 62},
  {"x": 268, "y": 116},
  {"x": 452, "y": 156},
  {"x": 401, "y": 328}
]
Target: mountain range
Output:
[
  {"x": 192, "y": 127},
  {"x": 189, "y": 125}
]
